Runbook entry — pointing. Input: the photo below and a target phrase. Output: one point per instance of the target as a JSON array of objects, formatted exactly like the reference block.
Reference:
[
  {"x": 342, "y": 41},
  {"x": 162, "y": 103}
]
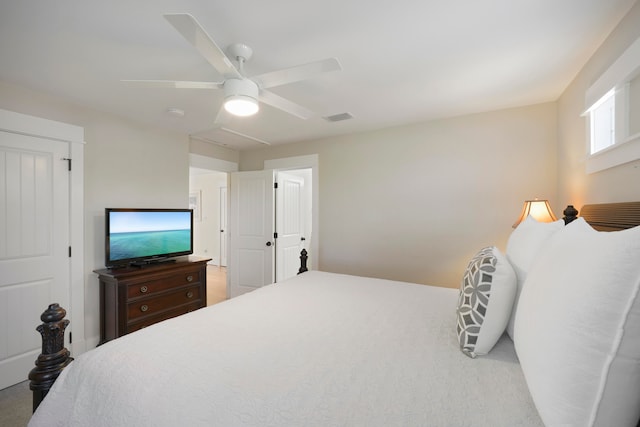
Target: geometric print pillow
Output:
[{"x": 486, "y": 298}]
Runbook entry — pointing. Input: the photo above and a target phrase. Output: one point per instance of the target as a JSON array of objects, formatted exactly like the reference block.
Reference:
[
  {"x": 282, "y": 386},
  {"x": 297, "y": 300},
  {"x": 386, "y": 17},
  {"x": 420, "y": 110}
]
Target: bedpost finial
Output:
[
  {"x": 303, "y": 261},
  {"x": 54, "y": 356},
  {"x": 570, "y": 214},
  {"x": 54, "y": 313}
]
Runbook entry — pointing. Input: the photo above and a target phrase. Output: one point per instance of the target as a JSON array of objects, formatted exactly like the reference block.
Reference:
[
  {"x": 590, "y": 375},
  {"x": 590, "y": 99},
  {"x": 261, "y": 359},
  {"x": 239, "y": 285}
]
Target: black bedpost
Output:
[
  {"x": 303, "y": 261},
  {"x": 54, "y": 355},
  {"x": 570, "y": 214}
]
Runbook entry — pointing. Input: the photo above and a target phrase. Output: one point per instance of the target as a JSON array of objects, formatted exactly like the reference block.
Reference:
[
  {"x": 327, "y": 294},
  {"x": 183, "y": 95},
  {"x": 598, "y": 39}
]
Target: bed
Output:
[{"x": 326, "y": 349}]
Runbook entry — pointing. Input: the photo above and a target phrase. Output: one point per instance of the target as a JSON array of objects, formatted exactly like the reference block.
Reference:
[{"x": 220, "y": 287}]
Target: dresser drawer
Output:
[
  {"x": 132, "y": 297},
  {"x": 150, "y": 287},
  {"x": 153, "y": 305},
  {"x": 143, "y": 323}
]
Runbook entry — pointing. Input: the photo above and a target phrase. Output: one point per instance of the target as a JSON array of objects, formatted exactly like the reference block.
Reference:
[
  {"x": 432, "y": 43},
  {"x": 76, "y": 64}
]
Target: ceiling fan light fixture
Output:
[
  {"x": 241, "y": 105},
  {"x": 241, "y": 97}
]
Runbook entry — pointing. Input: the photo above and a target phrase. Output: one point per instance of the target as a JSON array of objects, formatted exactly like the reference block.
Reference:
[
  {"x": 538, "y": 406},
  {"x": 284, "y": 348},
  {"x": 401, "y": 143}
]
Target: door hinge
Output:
[
  {"x": 275, "y": 235},
  {"x": 68, "y": 163},
  {"x": 275, "y": 185},
  {"x": 69, "y": 251}
]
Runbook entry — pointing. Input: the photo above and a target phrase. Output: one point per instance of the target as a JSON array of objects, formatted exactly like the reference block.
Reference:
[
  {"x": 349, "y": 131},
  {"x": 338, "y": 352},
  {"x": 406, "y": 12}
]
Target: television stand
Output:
[{"x": 132, "y": 298}]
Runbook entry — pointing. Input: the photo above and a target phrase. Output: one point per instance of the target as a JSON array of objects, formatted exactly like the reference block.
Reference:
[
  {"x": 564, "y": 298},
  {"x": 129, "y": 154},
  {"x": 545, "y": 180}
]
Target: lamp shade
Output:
[{"x": 538, "y": 209}]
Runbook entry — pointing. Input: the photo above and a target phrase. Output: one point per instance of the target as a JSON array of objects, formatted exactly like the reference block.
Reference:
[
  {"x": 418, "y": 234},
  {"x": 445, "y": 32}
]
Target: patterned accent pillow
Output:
[{"x": 486, "y": 298}]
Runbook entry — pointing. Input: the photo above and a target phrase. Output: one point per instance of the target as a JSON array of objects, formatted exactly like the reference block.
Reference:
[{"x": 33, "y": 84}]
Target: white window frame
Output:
[{"x": 616, "y": 82}]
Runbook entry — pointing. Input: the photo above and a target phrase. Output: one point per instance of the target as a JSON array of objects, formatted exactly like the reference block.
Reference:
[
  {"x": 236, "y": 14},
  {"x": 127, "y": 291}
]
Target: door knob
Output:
[{"x": 268, "y": 243}]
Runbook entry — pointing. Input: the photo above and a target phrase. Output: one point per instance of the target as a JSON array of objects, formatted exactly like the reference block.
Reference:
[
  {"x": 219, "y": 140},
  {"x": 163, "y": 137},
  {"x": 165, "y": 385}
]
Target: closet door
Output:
[{"x": 34, "y": 245}]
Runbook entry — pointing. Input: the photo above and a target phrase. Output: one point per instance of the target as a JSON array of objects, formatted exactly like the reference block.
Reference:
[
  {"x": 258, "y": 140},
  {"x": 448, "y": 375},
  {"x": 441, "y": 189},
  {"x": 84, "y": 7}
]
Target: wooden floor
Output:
[{"x": 216, "y": 284}]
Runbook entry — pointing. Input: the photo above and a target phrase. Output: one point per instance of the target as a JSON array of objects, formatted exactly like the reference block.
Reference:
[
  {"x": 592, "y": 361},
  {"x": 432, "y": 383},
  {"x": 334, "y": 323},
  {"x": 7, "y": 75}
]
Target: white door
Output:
[
  {"x": 251, "y": 252},
  {"x": 290, "y": 224},
  {"x": 34, "y": 245},
  {"x": 223, "y": 226}
]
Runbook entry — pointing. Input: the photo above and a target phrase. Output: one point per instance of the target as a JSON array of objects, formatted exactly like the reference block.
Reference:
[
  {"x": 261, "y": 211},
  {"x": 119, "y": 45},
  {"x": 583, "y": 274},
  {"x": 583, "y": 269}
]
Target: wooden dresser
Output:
[{"x": 133, "y": 297}]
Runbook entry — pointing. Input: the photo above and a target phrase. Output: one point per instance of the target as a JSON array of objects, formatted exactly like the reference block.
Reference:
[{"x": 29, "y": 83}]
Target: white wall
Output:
[
  {"x": 126, "y": 165},
  {"x": 201, "y": 148},
  {"x": 409, "y": 203},
  {"x": 416, "y": 202},
  {"x": 618, "y": 184}
]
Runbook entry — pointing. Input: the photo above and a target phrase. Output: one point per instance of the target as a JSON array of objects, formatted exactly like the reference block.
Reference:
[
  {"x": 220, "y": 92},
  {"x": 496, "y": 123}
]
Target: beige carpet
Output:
[{"x": 15, "y": 405}]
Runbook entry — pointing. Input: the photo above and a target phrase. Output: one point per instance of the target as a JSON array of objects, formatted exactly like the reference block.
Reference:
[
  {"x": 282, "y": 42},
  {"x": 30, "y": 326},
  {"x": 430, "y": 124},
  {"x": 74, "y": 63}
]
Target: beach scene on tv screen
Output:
[{"x": 146, "y": 234}]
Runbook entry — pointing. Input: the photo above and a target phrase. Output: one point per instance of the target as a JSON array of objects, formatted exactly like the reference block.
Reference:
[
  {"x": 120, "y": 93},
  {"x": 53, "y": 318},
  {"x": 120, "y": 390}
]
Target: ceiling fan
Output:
[{"x": 242, "y": 94}]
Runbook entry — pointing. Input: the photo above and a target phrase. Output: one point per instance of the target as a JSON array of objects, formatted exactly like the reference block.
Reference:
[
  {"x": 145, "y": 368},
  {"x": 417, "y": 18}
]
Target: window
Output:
[
  {"x": 602, "y": 122},
  {"x": 613, "y": 113},
  {"x": 634, "y": 106}
]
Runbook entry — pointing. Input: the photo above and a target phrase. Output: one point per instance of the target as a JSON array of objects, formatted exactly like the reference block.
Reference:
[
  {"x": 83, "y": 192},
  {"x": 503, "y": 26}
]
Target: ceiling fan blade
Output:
[
  {"x": 285, "y": 105},
  {"x": 175, "y": 84},
  {"x": 297, "y": 73},
  {"x": 222, "y": 117},
  {"x": 198, "y": 37}
]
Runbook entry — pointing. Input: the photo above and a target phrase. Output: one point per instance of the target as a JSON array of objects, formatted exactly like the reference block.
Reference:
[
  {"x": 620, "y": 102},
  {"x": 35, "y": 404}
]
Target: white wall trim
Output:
[
  {"x": 627, "y": 147},
  {"x": 11, "y": 121},
  {"x": 615, "y": 155},
  {"x": 304, "y": 162},
  {"x": 297, "y": 162},
  {"x": 76, "y": 228},
  {"x": 624, "y": 68}
]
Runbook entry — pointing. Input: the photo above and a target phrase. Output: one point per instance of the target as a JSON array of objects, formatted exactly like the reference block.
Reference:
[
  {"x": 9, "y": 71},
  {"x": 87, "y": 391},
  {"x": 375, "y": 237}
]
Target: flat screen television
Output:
[{"x": 138, "y": 237}]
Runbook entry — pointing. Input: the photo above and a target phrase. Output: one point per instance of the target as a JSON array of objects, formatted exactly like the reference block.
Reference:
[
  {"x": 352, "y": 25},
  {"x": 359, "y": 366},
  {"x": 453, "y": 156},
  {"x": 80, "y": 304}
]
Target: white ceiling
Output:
[{"x": 403, "y": 62}]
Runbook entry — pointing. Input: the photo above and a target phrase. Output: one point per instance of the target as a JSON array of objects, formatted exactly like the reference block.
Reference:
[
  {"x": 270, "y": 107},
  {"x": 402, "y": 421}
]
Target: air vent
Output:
[{"x": 338, "y": 117}]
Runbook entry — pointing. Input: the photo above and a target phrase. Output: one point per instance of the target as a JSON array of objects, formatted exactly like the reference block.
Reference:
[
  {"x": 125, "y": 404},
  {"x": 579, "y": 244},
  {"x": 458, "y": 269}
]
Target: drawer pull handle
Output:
[
  {"x": 189, "y": 294},
  {"x": 144, "y": 308},
  {"x": 143, "y": 289},
  {"x": 189, "y": 278}
]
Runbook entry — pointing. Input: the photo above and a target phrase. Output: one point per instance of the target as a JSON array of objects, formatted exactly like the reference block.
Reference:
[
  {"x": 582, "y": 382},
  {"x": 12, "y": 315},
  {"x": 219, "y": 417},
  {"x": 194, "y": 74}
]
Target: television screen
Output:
[{"x": 146, "y": 235}]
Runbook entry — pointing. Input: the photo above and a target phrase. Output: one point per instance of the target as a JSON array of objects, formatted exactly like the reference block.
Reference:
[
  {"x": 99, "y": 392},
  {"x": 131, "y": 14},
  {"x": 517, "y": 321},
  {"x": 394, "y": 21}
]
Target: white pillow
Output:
[
  {"x": 523, "y": 246},
  {"x": 577, "y": 328},
  {"x": 484, "y": 305}
]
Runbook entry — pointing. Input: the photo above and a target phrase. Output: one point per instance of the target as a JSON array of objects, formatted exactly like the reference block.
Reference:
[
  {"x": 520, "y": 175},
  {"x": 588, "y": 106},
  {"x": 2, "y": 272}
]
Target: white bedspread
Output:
[{"x": 320, "y": 349}]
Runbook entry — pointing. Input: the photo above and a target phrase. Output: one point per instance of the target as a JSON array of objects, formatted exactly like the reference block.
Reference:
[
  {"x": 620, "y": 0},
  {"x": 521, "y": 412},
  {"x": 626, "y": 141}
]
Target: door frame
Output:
[
  {"x": 223, "y": 224},
  {"x": 216, "y": 165},
  {"x": 13, "y": 122},
  {"x": 305, "y": 162},
  {"x": 310, "y": 161}
]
